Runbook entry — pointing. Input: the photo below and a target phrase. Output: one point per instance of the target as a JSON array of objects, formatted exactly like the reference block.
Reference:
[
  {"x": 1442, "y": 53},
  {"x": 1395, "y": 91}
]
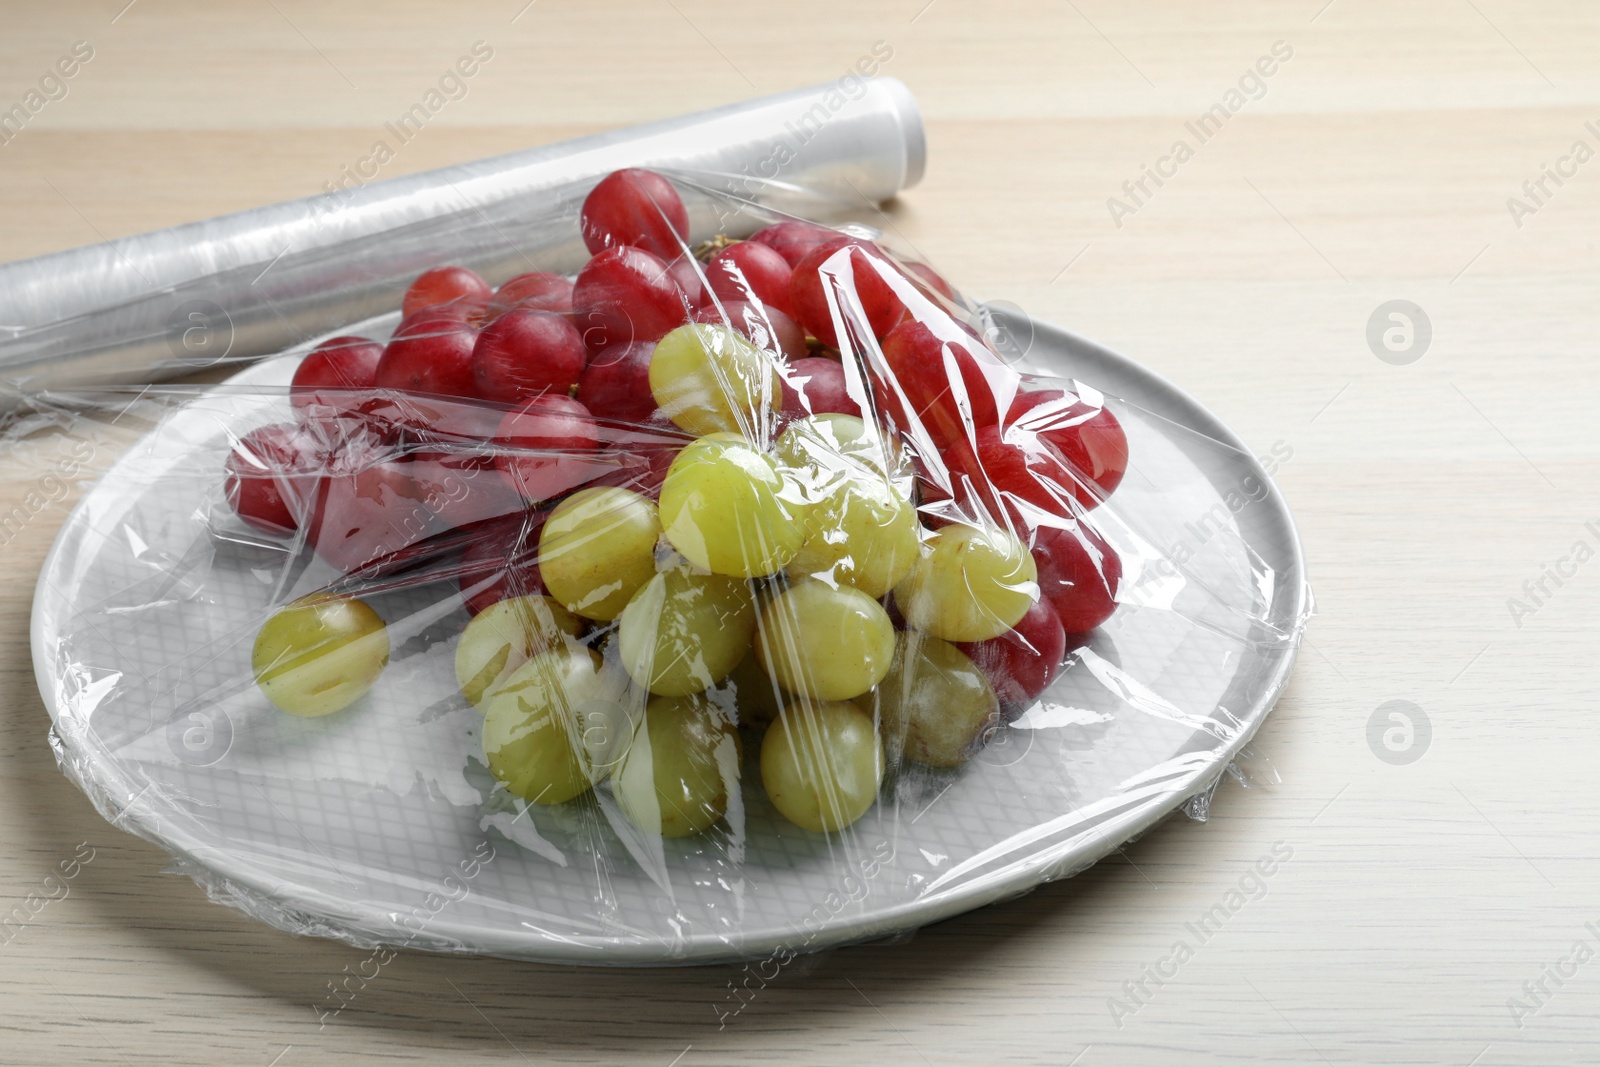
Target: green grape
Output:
[
  {"x": 677, "y": 773},
  {"x": 821, "y": 441},
  {"x": 756, "y": 697},
  {"x": 597, "y": 548},
  {"x": 824, "y": 642},
  {"x": 863, "y": 533},
  {"x": 552, "y": 729},
  {"x": 810, "y": 458},
  {"x": 859, "y": 526},
  {"x": 504, "y": 636},
  {"x": 821, "y": 764},
  {"x": 684, "y": 631},
  {"x": 970, "y": 583},
  {"x": 320, "y": 654},
  {"x": 934, "y": 706},
  {"x": 725, "y": 506},
  {"x": 707, "y": 378}
]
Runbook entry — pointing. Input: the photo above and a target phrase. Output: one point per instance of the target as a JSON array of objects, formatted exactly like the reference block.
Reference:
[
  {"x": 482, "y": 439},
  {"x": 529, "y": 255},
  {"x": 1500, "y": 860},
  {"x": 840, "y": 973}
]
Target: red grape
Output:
[
  {"x": 498, "y": 568},
  {"x": 616, "y": 382},
  {"x": 949, "y": 379},
  {"x": 367, "y": 510},
  {"x": 335, "y": 379},
  {"x": 642, "y": 467},
  {"x": 1017, "y": 475},
  {"x": 931, "y": 280},
  {"x": 456, "y": 290},
  {"x": 536, "y": 291},
  {"x": 1079, "y": 574},
  {"x": 792, "y": 240},
  {"x": 431, "y": 355},
  {"x": 452, "y": 422},
  {"x": 1090, "y": 437},
  {"x": 750, "y": 271},
  {"x": 626, "y": 294},
  {"x": 815, "y": 385},
  {"x": 1021, "y": 664},
  {"x": 563, "y": 439},
  {"x": 462, "y": 488},
  {"x": 766, "y": 327},
  {"x": 271, "y": 477},
  {"x": 635, "y": 207},
  {"x": 847, "y": 262},
  {"x": 525, "y": 353},
  {"x": 689, "y": 275}
]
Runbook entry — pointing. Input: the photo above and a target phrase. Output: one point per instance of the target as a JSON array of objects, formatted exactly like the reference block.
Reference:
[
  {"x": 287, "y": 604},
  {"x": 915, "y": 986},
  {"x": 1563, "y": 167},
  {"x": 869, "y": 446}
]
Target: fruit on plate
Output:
[
  {"x": 525, "y": 353},
  {"x": 816, "y": 386},
  {"x": 336, "y": 379},
  {"x": 970, "y": 583},
  {"x": 824, "y": 642},
  {"x": 780, "y": 484},
  {"x": 935, "y": 705},
  {"x": 765, "y": 327},
  {"x": 814, "y": 443},
  {"x": 271, "y": 476},
  {"x": 756, "y": 697},
  {"x": 638, "y": 208},
  {"x": 598, "y": 548},
  {"x": 534, "y": 291},
  {"x": 501, "y": 563},
  {"x": 729, "y": 510},
  {"x": 793, "y": 239},
  {"x": 320, "y": 654},
  {"x": 616, "y": 382},
  {"x": 951, "y": 383},
  {"x": 931, "y": 281},
  {"x": 1022, "y": 663},
  {"x": 863, "y": 533},
  {"x": 859, "y": 528},
  {"x": 750, "y": 271},
  {"x": 1088, "y": 436},
  {"x": 550, "y": 728},
  {"x": 684, "y": 631},
  {"x": 548, "y": 446},
  {"x": 709, "y": 379},
  {"x": 431, "y": 354},
  {"x": 368, "y": 509},
  {"x": 819, "y": 281},
  {"x": 822, "y": 764},
  {"x": 454, "y": 291},
  {"x": 626, "y": 294},
  {"x": 1016, "y": 479},
  {"x": 462, "y": 488},
  {"x": 1079, "y": 573},
  {"x": 680, "y": 767},
  {"x": 504, "y": 636}
]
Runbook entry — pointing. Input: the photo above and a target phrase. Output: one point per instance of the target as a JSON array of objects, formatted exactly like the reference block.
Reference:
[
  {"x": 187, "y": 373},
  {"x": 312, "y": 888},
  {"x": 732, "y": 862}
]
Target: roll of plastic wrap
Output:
[{"x": 253, "y": 283}]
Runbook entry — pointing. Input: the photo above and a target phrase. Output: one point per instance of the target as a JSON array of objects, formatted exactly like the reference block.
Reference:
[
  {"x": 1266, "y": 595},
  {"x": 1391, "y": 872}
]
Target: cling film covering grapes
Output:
[{"x": 686, "y": 572}]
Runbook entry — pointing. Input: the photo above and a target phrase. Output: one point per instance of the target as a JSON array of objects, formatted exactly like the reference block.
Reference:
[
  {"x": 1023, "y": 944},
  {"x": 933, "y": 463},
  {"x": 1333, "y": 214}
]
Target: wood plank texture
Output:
[{"x": 1376, "y": 165}]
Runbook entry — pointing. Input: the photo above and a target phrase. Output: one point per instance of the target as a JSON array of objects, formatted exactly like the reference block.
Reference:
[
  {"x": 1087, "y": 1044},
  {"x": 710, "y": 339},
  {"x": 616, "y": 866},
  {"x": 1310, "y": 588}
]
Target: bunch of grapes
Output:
[{"x": 778, "y": 487}]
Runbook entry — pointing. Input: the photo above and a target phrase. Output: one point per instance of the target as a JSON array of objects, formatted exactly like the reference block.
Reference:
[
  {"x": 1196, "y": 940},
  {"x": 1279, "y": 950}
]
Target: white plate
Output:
[{"x": 368, "y": 826}]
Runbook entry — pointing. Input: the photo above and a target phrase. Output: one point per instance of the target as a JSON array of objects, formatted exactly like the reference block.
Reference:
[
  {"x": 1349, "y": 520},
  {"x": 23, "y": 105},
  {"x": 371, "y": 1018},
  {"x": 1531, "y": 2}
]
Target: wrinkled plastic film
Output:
[{"x": 725, "y": 680}]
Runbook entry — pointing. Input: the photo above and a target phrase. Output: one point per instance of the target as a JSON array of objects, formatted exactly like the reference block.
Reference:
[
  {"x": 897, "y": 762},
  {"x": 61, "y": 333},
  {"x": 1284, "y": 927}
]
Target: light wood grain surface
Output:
[{"x": 1419, "y": 898}]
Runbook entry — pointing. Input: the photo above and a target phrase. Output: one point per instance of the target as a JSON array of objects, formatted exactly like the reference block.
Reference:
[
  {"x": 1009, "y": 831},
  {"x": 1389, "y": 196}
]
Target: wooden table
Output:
[{"x": 1375, "y": 165}]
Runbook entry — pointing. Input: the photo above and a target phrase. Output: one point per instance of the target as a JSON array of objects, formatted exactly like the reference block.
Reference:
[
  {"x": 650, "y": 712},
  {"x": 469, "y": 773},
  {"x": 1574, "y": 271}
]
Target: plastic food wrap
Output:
[
  {"x": 235, "y": 288},
  {"x": 746, "y": 592}
]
